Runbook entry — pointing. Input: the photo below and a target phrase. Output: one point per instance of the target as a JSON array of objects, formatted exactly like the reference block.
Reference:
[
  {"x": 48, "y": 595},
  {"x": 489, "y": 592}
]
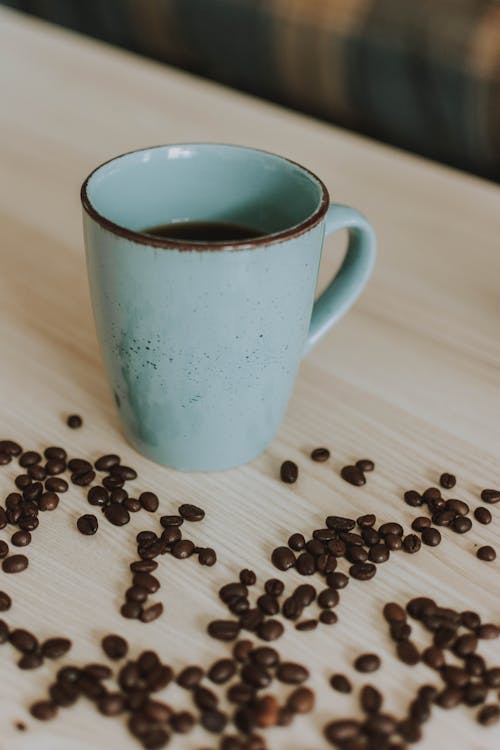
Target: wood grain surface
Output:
[{"x": 409, "y": 378}]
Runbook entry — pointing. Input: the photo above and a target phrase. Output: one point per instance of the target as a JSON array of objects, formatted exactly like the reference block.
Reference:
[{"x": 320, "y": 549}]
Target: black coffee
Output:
[{"x": 204, "y": 231}]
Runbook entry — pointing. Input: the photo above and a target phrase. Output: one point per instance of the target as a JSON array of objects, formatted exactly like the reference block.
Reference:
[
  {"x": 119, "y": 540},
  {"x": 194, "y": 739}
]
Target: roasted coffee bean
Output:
[
  {"x": 340, "y": 523},
  {"x": 270, "y": 630},
  {"x": 407, "y": 652},
  {"x": 292, "y": 608},
  {"x": 274, "y": 587},
  {"x": 221, "y": 671},
  {"x": 143, "y": 566},
  {"x": 378, "y": 553},
  {"x": 5, "y": 601},
  {"x": 21, "y": 538},
  {"x": 449, "y": 697},
  {"x": 266, "y": 711},
  {"x": 489, "y": 715},
  {"x": 117, "y": 494},
  {"x": 28, "y": 523},
  {"x": 43, "y": 710},
  {"x": 251, "y": 619},
  {"x": 362, "y": 571},
  {"x": 15, "y": 564},
  {"x": 54, "y": 648},
  {"x": 490, "y": 496},
  {"x": 433, "y": 657},
  {"x": 247, "y": 577},
  {"x": 190, "y": 677},
  {"x": 113, "y": 482},
  {"x": 114, "y": 646},
  {"x": 474, "y": 665},
  {"x": 87, "y": 524},
  {"x": 205, "y": 699},
  {"x": 444, "y": 636},
  {"x": 391, "y": 528},
  {"x": 171, "y": 521},
  {"x": 131, "y": 610},
  {"x": 152, "y": 613},
  {"x": 431, "y": 493},
  {"x": 367, "y": 663},
  {"x": 240, "y": 693},
  {"x": 326, "y": 563},
  {"x": 474, "y": 695},
  {"x": 411, "y": 543},
  {"x": 48, "y": 501},
  {"x": 213, "y": 721},
  {"x": 353, "y": 475},
  {"x": 231, "y": 591},
  {"x": 304, "y": 594},
  {"x": 268, "y": 604},
  {"x": 370, "y": 699},
  {"x": 340, "y": 683},
  {"x": 465, "y": 645},
  {"x": 126, "y": 473},
  {"x": 420, "y": 607},
  {"x": 111, "y": 704},
  {"x": 393, "y": 542},
  {"x": 97, "y": 671},
  {"x": 23, "y": 640},
  {"x": 400, "y": 631},
  {"x": 366, "y": 521},
  {"x": 320, "y": 454},
  {"x": 461, "y": 524},
  {"x": 337, "y": 548},
  {"x": 56, "y": 452},
  {"x": 74, "y": 421},
  {"x": 241, "y": 650},
  {"x": 306, "y": 625},
  {"x": 482, "y": 515},
  {"x": 337, "y": 580},
  {"x": 149, "y": 501},
  {"x": 327, "y": 617},
  {"x": 146, "y": 581},
  {"x": 264, "y": 656},
  {"x": 486, "y": 553},
  {"x": 370, "y": 536},
  {"x": 283, "y": 558},
  {"x": 56, "y": 484},
  {"x": 33, "y": 491},
  {"x": 394, "y": 613},
  {"x": 131, "y": 504},
  {"x": 380, "y": 724},
  {"x": 182, "y": 722},
  {"x": 315, "y": 547},
  {"x": 105, "y": 463},
  {"x": 328, "y": 598},
  {"x": 448, "y": 481},
  {"x": 356, "y": 554},
  {"x": 413, "y": 498},
  {"x": 182, "y": 549},
  {"x": 292, "y": 673},
  {"x": 10, "y": 447},
  {"x": 443, "y": 517},
  {"x": 296, "y": 542},
  {"x": 301, "y": 700},
  {"x": 431, "y": 537},
  {"x": 54, "y": 466},
  {"x": 29, "y": 458},
  {"x": 458, "y": 506},
  {"x": 305, "y": 563},
  {"x": 341, "y": 731},
  {"x": 207, "y": 556},
  {"x": 289, "y": 472},
  {"x": 488, "y": 631},
  {"x": 492, "y": 677},
  {"x": 224, "y": 630},
  {"x": 116, "y": 514},
  {"x": 79, "y": 465},
  {"x": 255, "y": 675},
  {"x": 98, "y": 495},
  {"x": 420, "y": 523},
  {"x": 171, "y": 534}
]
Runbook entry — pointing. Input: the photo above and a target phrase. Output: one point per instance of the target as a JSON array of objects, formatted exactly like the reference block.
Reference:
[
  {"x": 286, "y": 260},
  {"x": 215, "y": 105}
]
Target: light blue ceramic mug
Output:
[{"x": 201, "y": 341}]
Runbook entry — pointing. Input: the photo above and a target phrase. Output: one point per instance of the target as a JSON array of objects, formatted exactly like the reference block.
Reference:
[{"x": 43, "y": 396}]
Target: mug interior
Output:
[{"x": 203, "y": 182}]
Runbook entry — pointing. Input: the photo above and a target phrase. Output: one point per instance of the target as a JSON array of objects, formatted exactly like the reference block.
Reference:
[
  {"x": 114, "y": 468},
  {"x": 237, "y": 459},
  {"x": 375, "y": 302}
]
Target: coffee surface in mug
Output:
[{"x": 204, "y": 231}]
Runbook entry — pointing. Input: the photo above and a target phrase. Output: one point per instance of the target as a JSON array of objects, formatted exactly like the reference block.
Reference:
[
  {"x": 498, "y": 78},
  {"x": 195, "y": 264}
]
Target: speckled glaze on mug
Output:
[{"x": 201, "y": 341}]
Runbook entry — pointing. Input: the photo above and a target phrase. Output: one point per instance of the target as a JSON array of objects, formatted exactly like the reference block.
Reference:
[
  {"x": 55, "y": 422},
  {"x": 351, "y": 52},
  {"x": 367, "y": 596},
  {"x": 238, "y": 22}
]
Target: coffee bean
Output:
[
  {"x": 340, "y": 523},
  {"x": 328, "y": 598},
  {"x": 292, "y": 673},
  {"x": 4, "y": 459},
  {"x": 391, "y": 528},
  {"x": 367, "y": 663},
  {"x": 465, "y": 645},
  {"x": 304, "y": 594},
  {"x": 247, "y": 577},
  {"x": 341, "y": 731},
  {"x": 171, "y": 521},
  {"x": 449, "y": 697},
  {"x": 111, "y": 704},
  {"x": 447, "y": 481},
  {"x": 380, "y": 724},
  {"x": 114, "y": 646},
  {"x": 366, "y": 521},
  {"x": 394, "y": 612},
  {"x": 316, "y": 547},
  {"x": 461, "y": 525},
  {"x": 412, "y": 498},
  {"x": 306, "y": 625},
  {"x": 54, "y": 648},
  {"x": 411, "y": 543},
  {"x": 4, "y": 631},
  {"x": 182, "y": 722},
  {"x": 370, "y": 536},
  {"x": 205, "y": 698},
  {"x": 190, "y": 677},
  {"x": 87, "y": 524},
  {"x": 393, "y": 542},
  {"x": 21, "y": 538},
  {"x": 407, "y": 652},
  {"x": 98, "y": 495},
  {"x": 270, "y": 630},
  {"x": 431, "y": 537},
  {"x": 241, "y": 650},
  {"x": 292, "y": 608},
  {"x": 283, "y": 558},
  {"x": 106, "y": 462},
  {"x": 482, "y": 515},
  {"x": 221, "y": 671},
  {"x": 125, "y": 473},
  {"x": 131, "y": 504},
  {"x": 490, "y": 496},
  {"x": 365, "y": 464},
  {"x": 43, "y": 710},
  {"x": 268, "y": 604},
  {"x": 48, "y": 501},
  {"x": 305, "y": 564},
  {"x": 149, "y": 501},
  {"x": 489, "y": 715},
  {"x": 320, "y": 454},
  {"x": 265, "y": 656},
  {"x": 370, "y": 699},
  {"x": 337, "y": 580},
  {"x": 470, "y": 620},
  {"x": 33, "y": 491},
  {"x": 15, "y": 564},
  {"x": 207, "y": 556},
  {"x": 353, "y": 475},
  {"x": 182, "y": 549},
  {"x": 458, "y": 506},
  {"x": 74, "y": 421},
  {"x": 301, "y": 700},
  {"x": 152, "y": 613},
  {"x": 289, "y": 472},
  {"x": 112, "y": 482},
  {"x": 251, "y": 619},
  {"x": 23, "y": 640},
  {"x": 486, "y": 553},
  {"x": 29, "y": 458},
  {"x": 213, "y": 721},
  {"x": 337, "y": 548},
  {"x": 399, "y": 631},
  {"x": 171, "y": 534},
  {"x": 362, "y": 571},
  {"x": 118, "y": 495},
  {"x": 255, "y": 675},
  {"x": 266, "y": 711},
  {"x": 224, "y": 630},
  {"x": 240, "y": 693},
  {"x": 378, "y": 553},
  {"x": 420, "y": 523},
  {"x": 340, "y": 683},
  {"x": 116, "y": 514},
  {"x": 146, "y": 581},
  {"x": 488, "y": 631},
  {"x": 433, "y": 657},
  {"x": 296, "y": 542},
  {"x": 326, "y": 564},
  {"x": 54, "y": 466},
  {"x": 356, "y": 554},
  {"x": 474, "y": 695},
  {"x": 79, "y": 465},
  {"x": 5, "y": 602},
  {"x": 55, "y": 484}
]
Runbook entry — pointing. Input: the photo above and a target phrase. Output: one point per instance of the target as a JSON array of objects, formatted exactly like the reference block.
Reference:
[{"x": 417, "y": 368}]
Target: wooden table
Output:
[{"x": 409, "y": 378}]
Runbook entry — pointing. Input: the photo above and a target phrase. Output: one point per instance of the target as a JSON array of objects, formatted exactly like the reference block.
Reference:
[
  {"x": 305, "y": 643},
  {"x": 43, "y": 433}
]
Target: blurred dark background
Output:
[{"x": 421, "y": 75}]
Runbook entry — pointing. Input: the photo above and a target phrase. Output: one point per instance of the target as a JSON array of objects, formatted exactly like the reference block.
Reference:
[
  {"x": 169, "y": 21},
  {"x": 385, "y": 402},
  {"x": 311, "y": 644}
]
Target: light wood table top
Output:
[{"x": 409, "y": 378}]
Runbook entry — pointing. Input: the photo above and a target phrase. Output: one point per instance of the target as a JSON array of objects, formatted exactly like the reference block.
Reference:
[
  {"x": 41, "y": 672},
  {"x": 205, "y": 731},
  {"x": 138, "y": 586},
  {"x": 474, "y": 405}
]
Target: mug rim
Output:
[{"x": 143, "y": 238}]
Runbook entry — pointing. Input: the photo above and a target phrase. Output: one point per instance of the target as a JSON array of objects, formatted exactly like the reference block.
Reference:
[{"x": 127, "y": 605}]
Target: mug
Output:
[{"x": 201, "y": 341}]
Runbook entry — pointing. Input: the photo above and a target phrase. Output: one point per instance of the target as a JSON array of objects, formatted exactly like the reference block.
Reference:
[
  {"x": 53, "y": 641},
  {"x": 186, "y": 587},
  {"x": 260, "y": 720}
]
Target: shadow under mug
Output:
[{"x": 201, "y": 341}]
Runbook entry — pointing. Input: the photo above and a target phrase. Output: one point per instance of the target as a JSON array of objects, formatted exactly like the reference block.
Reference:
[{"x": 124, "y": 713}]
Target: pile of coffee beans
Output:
[
  {"x": 33, "y": 652},
  {"x": 455, "y": 635},
  {"x": 241, "y": 679}
]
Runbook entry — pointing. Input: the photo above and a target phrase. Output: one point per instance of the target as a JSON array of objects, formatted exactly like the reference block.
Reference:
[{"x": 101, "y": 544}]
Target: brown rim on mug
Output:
[{"x": 143, "y": 238}]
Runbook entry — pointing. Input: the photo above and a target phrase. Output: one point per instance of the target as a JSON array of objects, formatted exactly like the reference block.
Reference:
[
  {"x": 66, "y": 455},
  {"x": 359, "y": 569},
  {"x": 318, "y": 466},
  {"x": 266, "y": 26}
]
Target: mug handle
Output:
[{"x": 350, "y": 280}]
